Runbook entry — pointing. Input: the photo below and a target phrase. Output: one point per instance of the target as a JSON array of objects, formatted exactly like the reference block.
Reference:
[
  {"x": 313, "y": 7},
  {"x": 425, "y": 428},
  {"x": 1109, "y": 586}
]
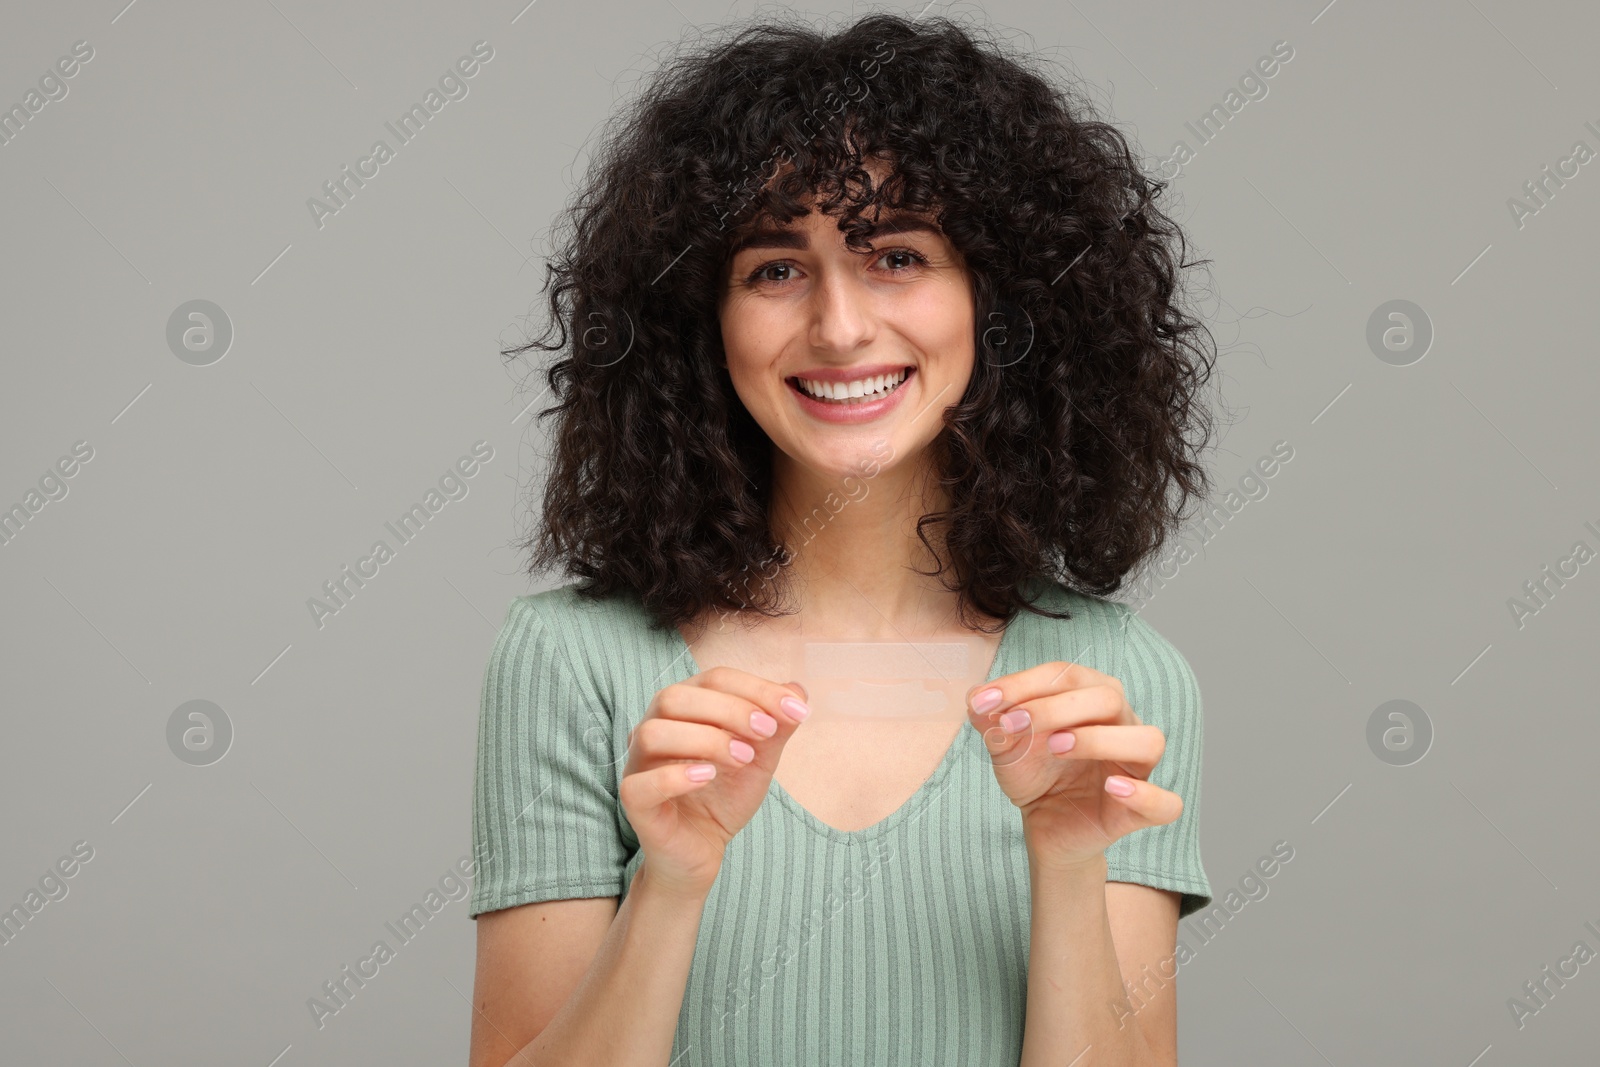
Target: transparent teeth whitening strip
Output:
[{"x": 899, "y": 680}]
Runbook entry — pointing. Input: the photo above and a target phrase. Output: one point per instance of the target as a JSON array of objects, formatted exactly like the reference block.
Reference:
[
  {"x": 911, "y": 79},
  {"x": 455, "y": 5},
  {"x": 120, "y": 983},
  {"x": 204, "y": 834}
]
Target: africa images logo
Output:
[
  {"x": 452, "y": 485},
  {"x": 341, "y": 189}
]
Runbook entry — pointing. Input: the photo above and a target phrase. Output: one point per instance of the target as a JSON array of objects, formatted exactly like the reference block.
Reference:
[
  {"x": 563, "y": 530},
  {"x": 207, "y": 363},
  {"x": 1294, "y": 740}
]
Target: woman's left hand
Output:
[{"x": 1063, "y": 740}]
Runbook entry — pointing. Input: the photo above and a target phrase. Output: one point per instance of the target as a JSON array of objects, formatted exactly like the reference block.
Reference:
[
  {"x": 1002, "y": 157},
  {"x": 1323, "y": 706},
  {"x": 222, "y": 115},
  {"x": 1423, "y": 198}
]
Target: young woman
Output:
[{"x": 871, "y": 335}]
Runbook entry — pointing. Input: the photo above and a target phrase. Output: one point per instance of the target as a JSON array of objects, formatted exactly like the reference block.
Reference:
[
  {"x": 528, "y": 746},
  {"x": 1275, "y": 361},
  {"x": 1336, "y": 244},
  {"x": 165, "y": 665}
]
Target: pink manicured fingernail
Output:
[
  {"x": 701, "y": 772},
  {"x": 1014, "y": 720},
  {"x": 1060, "y": 743},
  {"x": 796, "y": 710},
  {"x": 1119, "y": 786},
  {"x": 763, "y": 724},
  {"x": 986, "y": 700},
  {"x": 741, "y": 751}
]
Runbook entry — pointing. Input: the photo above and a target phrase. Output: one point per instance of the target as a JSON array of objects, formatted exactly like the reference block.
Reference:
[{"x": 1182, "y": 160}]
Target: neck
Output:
[{"x": 854, "y": 551}]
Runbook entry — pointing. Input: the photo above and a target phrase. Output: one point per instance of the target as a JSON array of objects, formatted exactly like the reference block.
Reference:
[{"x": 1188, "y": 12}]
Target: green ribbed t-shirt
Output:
[{"x": 904, "y": 944}]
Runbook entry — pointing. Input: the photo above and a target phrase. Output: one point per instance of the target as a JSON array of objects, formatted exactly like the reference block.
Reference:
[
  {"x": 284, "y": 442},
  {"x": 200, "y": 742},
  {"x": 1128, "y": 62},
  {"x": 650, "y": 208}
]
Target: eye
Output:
[
  {"x": 910, "y": 258},
  {"x": 917, "y": 258},
  {"x": 756, "y": 275}
]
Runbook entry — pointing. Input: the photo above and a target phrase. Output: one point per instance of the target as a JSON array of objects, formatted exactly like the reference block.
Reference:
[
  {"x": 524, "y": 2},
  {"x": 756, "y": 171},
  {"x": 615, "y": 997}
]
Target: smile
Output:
[
  {"x": 845, "y": 403},
  {"x": 861, "y": 391}
]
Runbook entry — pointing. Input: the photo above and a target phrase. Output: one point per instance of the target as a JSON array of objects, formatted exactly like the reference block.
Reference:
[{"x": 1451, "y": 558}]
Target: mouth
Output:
[{"x": 851, "y": 394}]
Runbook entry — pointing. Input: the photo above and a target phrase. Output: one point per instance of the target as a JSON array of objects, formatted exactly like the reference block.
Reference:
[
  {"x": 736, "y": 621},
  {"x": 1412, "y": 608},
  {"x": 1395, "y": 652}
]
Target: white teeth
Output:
[{"x": 870, "y": 388}]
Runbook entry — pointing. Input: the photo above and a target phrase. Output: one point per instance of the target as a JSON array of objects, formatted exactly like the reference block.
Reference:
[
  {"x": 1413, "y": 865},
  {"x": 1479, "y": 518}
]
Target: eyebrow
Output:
[{"x": 790, "y": 238}]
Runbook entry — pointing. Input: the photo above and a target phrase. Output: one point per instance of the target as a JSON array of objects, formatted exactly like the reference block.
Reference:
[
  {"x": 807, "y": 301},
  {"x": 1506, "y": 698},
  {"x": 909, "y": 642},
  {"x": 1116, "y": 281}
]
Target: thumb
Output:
[
  {"x": 791, "y": 712},
  {"x": 794, "y": 709},
  {"x": 1004, "y": 748}
]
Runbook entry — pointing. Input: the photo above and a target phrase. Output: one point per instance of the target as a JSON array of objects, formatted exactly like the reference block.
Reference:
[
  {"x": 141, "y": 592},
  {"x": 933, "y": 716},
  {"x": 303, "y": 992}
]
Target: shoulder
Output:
[
  {"x": 576, "y": 637},
  {"x": 1091, "y": 634},
  {"x": 1112, "y": 637},
  {"x": 1159, "y": 681},
  {"x": 565, "y": 611},
  {"x": 1093, "y": 609},
  {"x": 1146, "y": 651}
]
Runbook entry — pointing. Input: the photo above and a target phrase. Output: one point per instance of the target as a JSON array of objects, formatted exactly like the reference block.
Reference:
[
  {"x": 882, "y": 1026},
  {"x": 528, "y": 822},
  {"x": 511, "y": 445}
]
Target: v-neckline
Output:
[{"x": 930, "y": 787}]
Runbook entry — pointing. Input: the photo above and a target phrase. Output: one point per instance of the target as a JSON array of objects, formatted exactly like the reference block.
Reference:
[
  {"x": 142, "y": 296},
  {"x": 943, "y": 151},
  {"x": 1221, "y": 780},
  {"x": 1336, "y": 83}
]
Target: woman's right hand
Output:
[{"x": 712, "y": 718}]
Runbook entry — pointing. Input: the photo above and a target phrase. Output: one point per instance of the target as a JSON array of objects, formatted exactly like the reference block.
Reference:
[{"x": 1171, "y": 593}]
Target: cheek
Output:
[
  {"x": 746, "y": 374},
  {"x": 754, "y": 345},
  {"x": 735, "y": 347},
  {"x": 942, "y": 324},
  {"x": 946, "y": 306},
  {"x": 750, "y": 352},
  {"x": 751, "y": 334}
]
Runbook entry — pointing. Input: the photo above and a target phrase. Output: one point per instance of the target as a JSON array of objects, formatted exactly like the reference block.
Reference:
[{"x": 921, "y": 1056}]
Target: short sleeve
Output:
[
  {"x": 545, "y": 815},
  {"x": 1161, "y": 687}
]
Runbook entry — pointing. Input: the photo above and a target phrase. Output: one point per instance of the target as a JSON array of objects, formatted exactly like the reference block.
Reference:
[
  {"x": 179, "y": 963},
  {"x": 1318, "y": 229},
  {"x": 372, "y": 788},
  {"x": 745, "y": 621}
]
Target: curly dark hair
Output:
[{"x": 1075, "y": 449}]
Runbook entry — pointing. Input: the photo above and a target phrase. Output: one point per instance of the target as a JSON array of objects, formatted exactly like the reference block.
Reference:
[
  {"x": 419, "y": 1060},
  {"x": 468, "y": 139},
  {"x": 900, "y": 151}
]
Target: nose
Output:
[{"x": 842, "y": 313}]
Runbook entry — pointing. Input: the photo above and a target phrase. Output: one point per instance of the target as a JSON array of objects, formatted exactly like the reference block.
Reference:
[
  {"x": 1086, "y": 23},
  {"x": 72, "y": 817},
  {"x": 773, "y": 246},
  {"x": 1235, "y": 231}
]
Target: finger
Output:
[
  {"x": 1103, "y": 704},
  {"x": 1139, "y": 748},
  {"x": 645, "y": 790},
  {"x": 658, "y": 740},
  {"x": 1045, "y": 679},
  {"x": 1011, "y": 734},
  {"x": 778, "y": 701},
  {"x": 733, "y": 712},
  {"x": 1152, "y": 804}
]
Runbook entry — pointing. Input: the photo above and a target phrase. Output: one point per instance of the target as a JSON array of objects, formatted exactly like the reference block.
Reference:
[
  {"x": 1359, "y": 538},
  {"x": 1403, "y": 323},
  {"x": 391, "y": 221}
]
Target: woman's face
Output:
[{"x": 802, "y": 313}]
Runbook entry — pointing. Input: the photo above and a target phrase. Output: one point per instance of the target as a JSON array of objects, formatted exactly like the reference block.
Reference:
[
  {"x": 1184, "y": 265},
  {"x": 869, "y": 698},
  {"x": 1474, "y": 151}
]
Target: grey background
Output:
[{"x": 364, "y": 362}]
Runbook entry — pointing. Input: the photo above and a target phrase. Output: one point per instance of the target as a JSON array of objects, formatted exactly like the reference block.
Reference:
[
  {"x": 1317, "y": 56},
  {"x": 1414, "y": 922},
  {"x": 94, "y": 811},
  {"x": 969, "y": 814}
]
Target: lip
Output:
[
  {"x": 851, "y": 413},
  {"x": 850, "y": 374}
]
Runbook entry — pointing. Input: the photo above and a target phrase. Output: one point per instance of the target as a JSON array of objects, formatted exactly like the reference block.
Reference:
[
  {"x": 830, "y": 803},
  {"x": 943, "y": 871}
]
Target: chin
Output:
[{"x": 869, "y": 456}]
